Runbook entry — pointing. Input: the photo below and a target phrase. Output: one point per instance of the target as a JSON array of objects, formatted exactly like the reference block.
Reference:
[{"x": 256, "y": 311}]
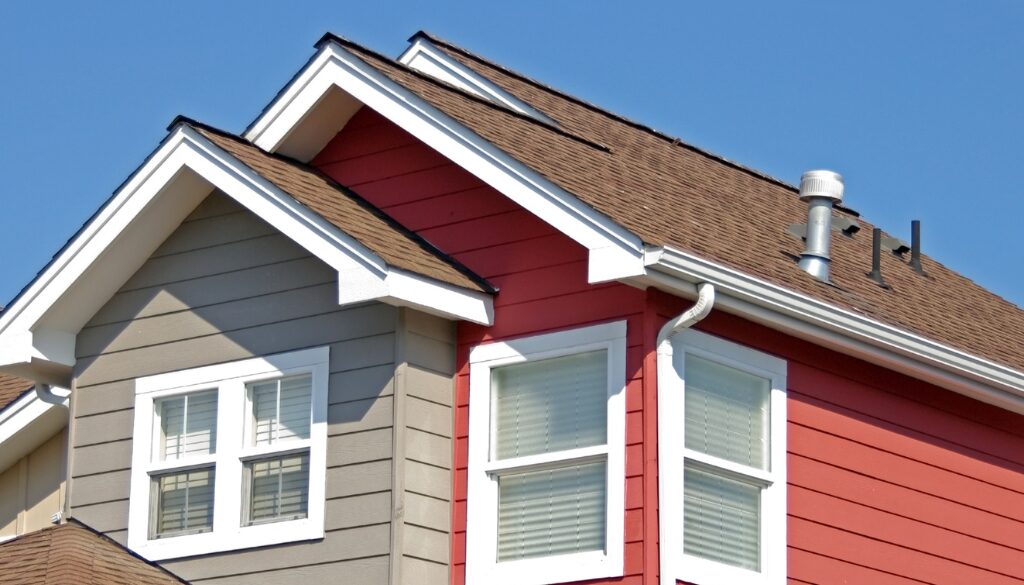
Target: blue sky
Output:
[{"x": 917, "y": 104}]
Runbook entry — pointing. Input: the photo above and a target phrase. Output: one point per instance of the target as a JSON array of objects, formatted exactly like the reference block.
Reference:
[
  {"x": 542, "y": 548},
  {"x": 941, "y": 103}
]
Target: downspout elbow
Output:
[
  {"x": 53, "y": 395},
  {"x": 690, "y": 317}
]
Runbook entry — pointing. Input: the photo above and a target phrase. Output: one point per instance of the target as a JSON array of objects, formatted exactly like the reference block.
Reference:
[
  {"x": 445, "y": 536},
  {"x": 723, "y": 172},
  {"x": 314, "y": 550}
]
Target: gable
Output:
[{"x": 381, "y": 261}]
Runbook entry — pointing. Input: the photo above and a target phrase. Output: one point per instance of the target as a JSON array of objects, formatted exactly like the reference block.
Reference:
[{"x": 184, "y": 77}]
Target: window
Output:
[
  {"x": 722, "y": 453},
  {"x": 546, "y": 450},
  {"x": 230, "y": 456}
]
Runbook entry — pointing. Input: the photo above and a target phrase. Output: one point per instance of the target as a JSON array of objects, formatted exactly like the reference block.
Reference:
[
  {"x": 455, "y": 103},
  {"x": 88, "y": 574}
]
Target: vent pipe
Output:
[
  {"x": 876, "y": 258},
  {"x": 915, "y": 246},
  {"x": 820, "y": 189}
]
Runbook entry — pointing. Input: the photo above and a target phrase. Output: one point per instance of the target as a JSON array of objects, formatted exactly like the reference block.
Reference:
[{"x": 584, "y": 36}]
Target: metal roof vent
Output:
[{"x": 820, "y": 189}]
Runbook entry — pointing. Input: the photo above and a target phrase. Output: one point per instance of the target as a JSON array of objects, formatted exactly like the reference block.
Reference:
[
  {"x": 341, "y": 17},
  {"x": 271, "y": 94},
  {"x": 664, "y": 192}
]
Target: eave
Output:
[{"x": 851, "y": 333}]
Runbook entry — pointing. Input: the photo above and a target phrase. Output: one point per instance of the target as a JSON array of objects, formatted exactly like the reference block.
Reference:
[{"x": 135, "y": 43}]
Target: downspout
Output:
[
  {"x": 60, "y": 397},
  {"x": 670, "y": 392}
]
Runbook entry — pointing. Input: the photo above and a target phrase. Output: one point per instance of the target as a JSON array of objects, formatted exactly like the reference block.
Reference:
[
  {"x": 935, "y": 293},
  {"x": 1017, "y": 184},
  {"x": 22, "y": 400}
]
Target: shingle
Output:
[
  {"x": 396, "y": 245},
  {"x": 672, "y": 194},
  {"x": 73, "y": 554},
  {"x": 11, "y": 388}
]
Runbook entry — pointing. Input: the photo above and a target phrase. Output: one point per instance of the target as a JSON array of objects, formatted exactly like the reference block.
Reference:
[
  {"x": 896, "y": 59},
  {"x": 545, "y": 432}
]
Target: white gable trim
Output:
[
  {"x": 40, "y": 328},
  {"x": 423, "y": 56},
  {"x": 614, "y": 251}
]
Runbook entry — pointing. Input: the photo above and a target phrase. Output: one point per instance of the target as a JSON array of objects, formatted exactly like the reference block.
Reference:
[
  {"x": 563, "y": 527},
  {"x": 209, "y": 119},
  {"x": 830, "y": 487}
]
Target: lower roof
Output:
[
  {"x": 12, "y": 388},
  {"x": 74, "y": 554}
]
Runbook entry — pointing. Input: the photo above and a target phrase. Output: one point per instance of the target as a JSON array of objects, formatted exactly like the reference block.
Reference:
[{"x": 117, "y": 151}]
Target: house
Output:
[{"x": 430, "y": 321}]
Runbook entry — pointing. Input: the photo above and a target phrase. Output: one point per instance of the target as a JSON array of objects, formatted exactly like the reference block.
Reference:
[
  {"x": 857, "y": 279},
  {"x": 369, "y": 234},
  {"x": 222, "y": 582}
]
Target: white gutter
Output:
[
  {"x": 839, "y": 329},
  {"x": 669, "y": 387}
]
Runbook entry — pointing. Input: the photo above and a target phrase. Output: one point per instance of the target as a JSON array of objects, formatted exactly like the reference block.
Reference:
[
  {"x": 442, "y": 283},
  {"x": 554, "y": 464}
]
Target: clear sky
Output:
[{"x": 917, "y": 104}]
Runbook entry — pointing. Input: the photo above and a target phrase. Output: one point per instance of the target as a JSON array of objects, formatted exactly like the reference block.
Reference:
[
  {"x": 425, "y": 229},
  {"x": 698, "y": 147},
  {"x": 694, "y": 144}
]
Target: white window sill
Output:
[
  {"x": 704, "y": 572},
  {"x": 549, "y": 570},
  {"x": 188, "y": 545}
]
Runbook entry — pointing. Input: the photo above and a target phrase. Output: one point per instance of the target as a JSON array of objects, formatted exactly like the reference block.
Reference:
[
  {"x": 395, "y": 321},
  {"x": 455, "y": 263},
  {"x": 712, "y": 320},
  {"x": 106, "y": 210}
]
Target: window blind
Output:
[
  {"x": 281, "y": 409},
  {"x": 184, "y": 502},
  {"x": 278, "y": 488},
  {"x": 722, "y": 519},
  {"x": 551, "y": 512},
  {"x": 550, "y": 405},
  {"x": 188, "y": 425},
  {"x": 727, "y": 412}
]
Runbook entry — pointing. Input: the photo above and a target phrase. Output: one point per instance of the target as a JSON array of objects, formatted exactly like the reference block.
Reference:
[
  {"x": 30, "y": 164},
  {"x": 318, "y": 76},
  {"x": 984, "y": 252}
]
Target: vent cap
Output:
[{"x": 826, "y": 184}]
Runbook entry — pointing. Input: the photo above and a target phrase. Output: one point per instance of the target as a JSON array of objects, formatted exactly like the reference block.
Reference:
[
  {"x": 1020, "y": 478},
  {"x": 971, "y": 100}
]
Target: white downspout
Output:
[{"x": 670, "y": 407}]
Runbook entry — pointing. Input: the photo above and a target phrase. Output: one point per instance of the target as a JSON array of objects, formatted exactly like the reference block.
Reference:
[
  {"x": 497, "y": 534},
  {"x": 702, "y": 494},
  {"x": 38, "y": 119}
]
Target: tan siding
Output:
[
  {"x": 211, "y": 290},
  {"x": 367, "y": 570},
  {"x": 418, "y": 571},
  {"x": 223, "y": 287},
  {"x": 427, "y": 375},
  {"x": 31, "y": 490},
  {"x": 352, "y": 543}
]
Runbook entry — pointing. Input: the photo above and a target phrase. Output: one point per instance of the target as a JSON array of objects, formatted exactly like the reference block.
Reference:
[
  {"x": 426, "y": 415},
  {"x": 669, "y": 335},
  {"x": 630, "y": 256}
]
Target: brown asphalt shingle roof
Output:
[
  {"x": 672, "y": 194},
  {"x": 396, "y": 245},
  {"x": 11, "y": 388},
  {"x": 73, "y": 554}
]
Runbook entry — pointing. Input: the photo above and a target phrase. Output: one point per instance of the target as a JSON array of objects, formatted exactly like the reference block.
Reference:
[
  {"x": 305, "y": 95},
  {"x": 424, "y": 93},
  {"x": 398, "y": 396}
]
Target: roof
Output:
[
  {"x": 74, "y": 554},
  {"x": 396, "y": 245},
  {"x": 12, "y": 388},
  {"x": 673, "y": 194}
]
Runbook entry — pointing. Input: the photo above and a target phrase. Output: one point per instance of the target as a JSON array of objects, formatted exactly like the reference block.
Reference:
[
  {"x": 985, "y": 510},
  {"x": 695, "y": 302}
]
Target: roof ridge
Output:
[
  {"x": 605, "y": 112},
  {"x": 357, "y": 198},
  {"x": 445, "y": 85}
]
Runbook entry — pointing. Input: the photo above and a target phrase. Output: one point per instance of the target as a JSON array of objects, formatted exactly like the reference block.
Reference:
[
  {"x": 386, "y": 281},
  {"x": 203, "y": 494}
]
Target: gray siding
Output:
[
  {"x": 225, "y": 287},
  {"x": 423, "y": 454}
]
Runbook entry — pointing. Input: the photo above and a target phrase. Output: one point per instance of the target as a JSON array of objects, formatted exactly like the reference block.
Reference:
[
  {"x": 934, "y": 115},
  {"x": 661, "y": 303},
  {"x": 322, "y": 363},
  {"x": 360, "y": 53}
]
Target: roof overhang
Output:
[
  {"x": 38, "y": 330},
  {"x": 839, "y": 329},
  {"x": 25, "y": 424},
  {"x": 336, "y": 79},
  {"x": 335, "y": 76}
]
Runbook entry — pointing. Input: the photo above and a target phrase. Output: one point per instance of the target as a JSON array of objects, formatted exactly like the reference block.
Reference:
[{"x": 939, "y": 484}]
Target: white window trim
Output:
[
  {"x": 675, "y": 564},
  {"x": 482, "y": 567},
  {"x": 230, "y": 380}
]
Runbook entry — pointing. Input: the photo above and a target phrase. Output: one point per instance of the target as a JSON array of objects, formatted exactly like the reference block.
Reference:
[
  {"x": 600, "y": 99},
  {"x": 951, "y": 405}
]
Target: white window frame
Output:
[
  {"x": 675, "y": 564},
  {"x": 232, "y": 449},
  {"x": 482, "y": 567}
]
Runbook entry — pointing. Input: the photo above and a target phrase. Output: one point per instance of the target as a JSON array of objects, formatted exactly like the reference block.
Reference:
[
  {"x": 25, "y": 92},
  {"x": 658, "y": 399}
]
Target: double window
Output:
[
  {"x": 546, "y": 475},
  {"x": 229, "y": 456},
  {"x": 722, "y": 416}
]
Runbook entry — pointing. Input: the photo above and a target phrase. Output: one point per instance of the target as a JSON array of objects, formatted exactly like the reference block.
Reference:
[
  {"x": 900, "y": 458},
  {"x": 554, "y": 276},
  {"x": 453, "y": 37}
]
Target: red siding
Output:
[
  {"x": 541, "y": 275},
  {"x": 890, "y": 480}
]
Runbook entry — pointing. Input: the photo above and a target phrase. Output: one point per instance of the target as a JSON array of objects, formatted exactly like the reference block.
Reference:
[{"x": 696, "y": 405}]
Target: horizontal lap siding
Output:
[
  {"x": 225, "y": 287},
  {"x": 541, "y": 274},
  {"x": 892, "y": 480},
  {"x": 426, "y": 376}
]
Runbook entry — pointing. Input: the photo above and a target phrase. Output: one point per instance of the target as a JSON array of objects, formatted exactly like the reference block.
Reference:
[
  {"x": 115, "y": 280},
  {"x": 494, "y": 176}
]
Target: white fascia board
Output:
[
  {"x": 841, "y": 329},
  {"x": 619, "y": 253},
  {"x": 25, "y": 424},
  {"x": 405, "y": 289},
  {"x": 425, "y": 57}
]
